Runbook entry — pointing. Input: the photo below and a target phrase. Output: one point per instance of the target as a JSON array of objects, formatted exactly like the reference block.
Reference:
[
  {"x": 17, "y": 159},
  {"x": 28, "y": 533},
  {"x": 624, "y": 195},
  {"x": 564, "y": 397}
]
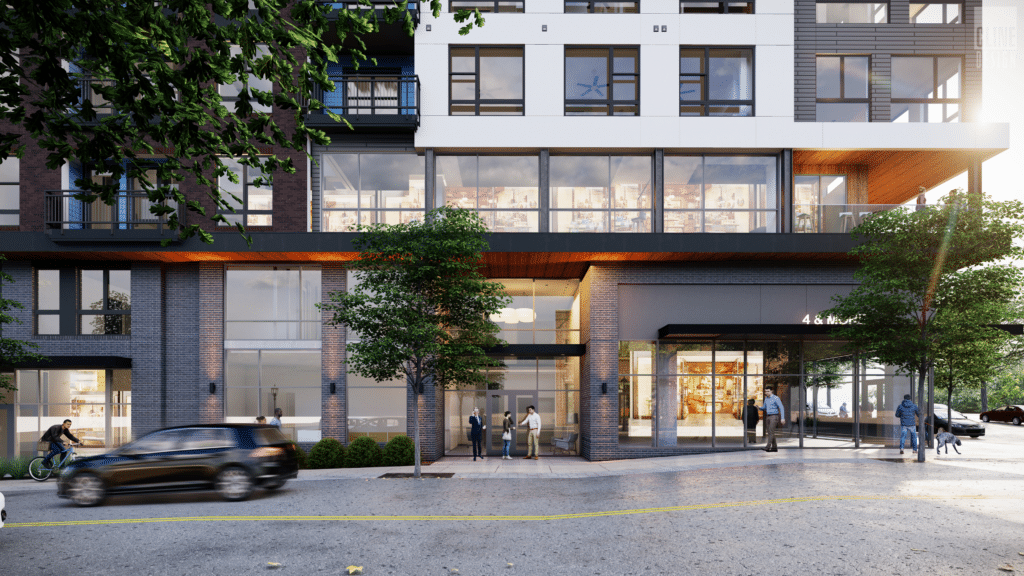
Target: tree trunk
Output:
[
  {"x": 416, "y": 427},
  {"x": 984, "y": 396}
]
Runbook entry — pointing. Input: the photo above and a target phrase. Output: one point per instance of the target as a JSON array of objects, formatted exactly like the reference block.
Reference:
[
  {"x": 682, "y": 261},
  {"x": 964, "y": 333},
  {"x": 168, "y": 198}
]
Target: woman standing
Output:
[{"x": 506, "y": 434}]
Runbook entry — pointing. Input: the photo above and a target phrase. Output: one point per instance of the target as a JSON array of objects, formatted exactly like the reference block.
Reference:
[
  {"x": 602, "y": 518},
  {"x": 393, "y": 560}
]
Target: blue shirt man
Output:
[{"x": 773, "y": 414}]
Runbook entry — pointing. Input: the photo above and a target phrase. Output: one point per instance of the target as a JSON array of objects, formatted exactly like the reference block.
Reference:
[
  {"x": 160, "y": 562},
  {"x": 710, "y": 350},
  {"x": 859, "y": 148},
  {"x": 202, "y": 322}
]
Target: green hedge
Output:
[
  {"x": 327, "y": 453},
  {"x": 363, "y": 452},
  {"x": 300, "y": 454},
  {"x": 399, "y": 451},
  {"x": 17, "y": 468}
]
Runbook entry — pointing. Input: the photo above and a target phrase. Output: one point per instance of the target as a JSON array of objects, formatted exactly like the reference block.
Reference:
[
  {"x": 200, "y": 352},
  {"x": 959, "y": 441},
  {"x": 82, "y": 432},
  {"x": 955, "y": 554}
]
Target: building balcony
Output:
[
  {"x": 840, "y": 218},
  {"x": 378, "y": 7},
  {"x": 371, "y": 103},
  {"x": 67, "y": 219}
]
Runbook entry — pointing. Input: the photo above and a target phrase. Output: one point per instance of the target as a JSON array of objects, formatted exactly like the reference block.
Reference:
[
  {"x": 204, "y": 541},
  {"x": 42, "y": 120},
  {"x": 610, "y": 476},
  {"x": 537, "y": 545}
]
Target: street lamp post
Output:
[{"x": 273, "y": 392}]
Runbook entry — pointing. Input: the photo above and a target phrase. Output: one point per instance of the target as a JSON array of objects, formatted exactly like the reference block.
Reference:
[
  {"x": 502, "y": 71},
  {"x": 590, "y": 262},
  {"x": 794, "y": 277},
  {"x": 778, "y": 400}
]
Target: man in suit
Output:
[{"x": 476, "y": 433}]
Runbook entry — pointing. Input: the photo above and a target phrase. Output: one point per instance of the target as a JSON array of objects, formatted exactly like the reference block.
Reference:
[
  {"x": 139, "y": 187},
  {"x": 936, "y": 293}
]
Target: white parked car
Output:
[{"x": 825, "y": 410}]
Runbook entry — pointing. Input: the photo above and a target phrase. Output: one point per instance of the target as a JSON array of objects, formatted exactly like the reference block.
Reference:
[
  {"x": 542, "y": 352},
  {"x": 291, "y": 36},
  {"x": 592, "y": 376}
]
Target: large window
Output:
[
  {"x": 376, "y": 409},
  {"x": 542, "y": 311},
  {"x": 721, "y": 7},
  {"x": 258, "y": 381},
  {"x": 842, "y": 89},
  {"x": 600, "y": 193},
  {"x": 851, "y": 12},
  {"x": 252, "y": 205},
  {"x": 926, "y": 89},
  {"x": 10, "y": 191},
  {"x": 721, "y": 194},
  {"x": 230, "y": 92},
  {"x": 584, "y": 7},
  {"x": 819, "y": 204},
  {"x": 370, "y": 189},
  {"x": 98, "y": 403},
  {"x": 602, "y": 81},
  {"x": 70, "y": 301},
  {"x": 486, "y": 81},
  {"x": 936, "y": 13},
  {"x": 502, "y": 189},
  {"x": 486, "y": 5},
  {"x": 272, "y": 303},
  {"x": 716, "y": 81}
]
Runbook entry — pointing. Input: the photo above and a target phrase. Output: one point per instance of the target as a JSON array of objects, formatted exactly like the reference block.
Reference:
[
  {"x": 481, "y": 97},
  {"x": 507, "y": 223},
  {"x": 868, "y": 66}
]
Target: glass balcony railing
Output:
[{"x": 839, "y": 218}]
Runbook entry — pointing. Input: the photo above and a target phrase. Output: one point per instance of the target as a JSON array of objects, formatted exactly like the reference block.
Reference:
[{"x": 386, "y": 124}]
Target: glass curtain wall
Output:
[
  {"x": 820, "y": 204},
  {"x": 601, "y": 193},
  {"x": 504, "y": 190},
  {"x": 674, "y": 393},
  {"x": 541, "y": 312},
  {"x": 364, "y": 189},
  {"x": 98, "y": 403},
  {"x": 550, "y": 384},
  {"x": 272, "y": 303},
  {"x": 258, "y": 381},
  {"x": 376, "y": 409},
  {"x": 731, "y": 194}
]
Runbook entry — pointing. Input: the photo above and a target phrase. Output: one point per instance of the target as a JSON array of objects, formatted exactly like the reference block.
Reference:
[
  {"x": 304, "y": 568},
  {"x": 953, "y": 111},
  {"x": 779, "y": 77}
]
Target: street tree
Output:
[
  {"x": 930, "y": 280},
  {"x": 420, "y": 309},
  {"x": 114, "y": 85},
  {"x": 12, "y": 351}
]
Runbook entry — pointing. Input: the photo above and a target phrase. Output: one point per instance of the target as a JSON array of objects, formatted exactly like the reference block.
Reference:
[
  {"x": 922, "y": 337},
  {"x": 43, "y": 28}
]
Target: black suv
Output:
[{"x": 231, "y": 458}]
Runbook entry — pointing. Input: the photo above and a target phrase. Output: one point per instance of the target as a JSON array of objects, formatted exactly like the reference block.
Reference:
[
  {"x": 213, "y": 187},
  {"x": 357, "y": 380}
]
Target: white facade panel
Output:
[
  {"x": 659, "y": 81},
  {"x": 708, "y": 132},
  {"x": 545, "y": 80},
  {"x": 782, "y": 132},
  {"x": 773, "y": 81},
  {"x": 774, "y": 7},
  {"x": 432, "y": 68},
  {"x": 884, "y": 135},
  {"x": 774, "y": 29}
]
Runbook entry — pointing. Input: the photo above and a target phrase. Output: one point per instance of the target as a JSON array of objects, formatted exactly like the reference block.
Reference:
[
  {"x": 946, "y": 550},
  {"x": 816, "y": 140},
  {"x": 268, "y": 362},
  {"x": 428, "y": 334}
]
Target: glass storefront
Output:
[
  {"x": 550, "y": 384},
  {"x": 542, "y": 311},
  {"x": 376, "y": 409},
  {"x": 682, "y": 393},
  {"x": 98, "y": 403}
]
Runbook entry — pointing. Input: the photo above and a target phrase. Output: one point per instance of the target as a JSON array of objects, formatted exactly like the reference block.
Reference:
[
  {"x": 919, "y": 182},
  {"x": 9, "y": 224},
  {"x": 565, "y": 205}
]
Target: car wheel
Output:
[
  {"x": 975, "y": 436},
  {"x": 86, "y": 489},
  {"x": 984, "y": 418},
  {"x": 234, "y": 483},
  {"x": 1016, "y": 421},
  {"x": 274, "y": 484}
]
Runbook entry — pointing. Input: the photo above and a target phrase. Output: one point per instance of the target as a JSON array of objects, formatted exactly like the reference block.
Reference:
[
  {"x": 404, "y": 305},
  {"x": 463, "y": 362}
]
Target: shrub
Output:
[
  {"x": 363, "y": 452},
  {"x": 17, "y": 467},
  {"x": 300, "y": 454},
  {"x": 399, "y": 451},
  {"x": 327, "y": 453}
]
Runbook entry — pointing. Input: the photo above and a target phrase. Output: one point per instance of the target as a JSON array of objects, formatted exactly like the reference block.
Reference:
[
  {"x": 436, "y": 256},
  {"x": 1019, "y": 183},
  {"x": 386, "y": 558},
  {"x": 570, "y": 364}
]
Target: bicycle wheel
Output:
[{"x": 38, "y": 471}]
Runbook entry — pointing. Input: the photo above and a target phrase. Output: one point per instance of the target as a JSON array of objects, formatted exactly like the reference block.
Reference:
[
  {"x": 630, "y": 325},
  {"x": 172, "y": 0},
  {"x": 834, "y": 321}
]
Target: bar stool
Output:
[
  {"x": 803, "y": 222},
  {"x": 846, "y": 221}
]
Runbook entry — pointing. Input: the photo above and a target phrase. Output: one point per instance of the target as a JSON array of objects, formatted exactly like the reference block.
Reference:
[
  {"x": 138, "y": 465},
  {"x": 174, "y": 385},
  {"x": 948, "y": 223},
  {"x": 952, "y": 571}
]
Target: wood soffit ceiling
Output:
[{"x": 893, "y": 175}]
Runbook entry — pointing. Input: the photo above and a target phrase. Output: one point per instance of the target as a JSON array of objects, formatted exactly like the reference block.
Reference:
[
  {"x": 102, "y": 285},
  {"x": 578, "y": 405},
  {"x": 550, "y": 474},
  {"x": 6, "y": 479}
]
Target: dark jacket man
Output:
[
  {"x": 750, "y": 415},
  {"x": 906, "y": 412}
]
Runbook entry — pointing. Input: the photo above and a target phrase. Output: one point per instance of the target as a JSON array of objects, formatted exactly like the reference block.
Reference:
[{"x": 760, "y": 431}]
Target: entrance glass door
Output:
[{"x": 516, "y": 403}]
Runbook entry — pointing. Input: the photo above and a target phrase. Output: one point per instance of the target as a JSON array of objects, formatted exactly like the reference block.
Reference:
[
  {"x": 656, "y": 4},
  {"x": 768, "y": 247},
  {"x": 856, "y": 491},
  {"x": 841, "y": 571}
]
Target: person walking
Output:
[
  {"x": 261, "y": 419},
  {"x": 906, "y": 412},
  {"x": 532, "y": 422},
  {"x": 506, "y": 435},
  {"x": 276, "y": 420},
  {"x": 53, "y": 436},
  {"x": 476, "y": 433},
  {"x": 751, "y": 417},
  {"x": 773, "y": 414}
]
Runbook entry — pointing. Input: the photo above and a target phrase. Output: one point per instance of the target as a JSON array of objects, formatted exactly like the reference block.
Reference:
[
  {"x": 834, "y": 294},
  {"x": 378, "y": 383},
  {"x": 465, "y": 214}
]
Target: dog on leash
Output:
[{"x": 946, "y": 439}]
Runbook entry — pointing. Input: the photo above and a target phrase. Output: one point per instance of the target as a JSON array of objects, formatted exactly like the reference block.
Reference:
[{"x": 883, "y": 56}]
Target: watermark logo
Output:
[{"x": 995, "y": 36}]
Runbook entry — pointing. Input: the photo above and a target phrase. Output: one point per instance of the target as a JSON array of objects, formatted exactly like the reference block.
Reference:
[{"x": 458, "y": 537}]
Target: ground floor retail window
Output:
[
  {"x": 98, "y": 403},
  {"x": 696, "y": 394},
  {"x": 376, "y": 409},
  {"x": 550, "y": 385},
  {"x": 259, "y": 381}
]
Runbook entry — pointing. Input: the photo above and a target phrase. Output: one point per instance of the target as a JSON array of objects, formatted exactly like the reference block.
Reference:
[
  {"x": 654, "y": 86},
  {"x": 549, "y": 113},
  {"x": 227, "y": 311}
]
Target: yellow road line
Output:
[{"x": 574, "y": 516}]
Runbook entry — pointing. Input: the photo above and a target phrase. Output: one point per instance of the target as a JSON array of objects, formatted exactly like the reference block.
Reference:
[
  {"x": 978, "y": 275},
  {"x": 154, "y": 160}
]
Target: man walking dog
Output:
[{"x": 906, "y": 412}]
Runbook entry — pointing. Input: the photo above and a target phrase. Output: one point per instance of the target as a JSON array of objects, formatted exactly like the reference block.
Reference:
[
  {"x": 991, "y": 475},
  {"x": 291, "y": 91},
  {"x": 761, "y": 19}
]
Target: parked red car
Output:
[{"x": 1011, "y": 413}]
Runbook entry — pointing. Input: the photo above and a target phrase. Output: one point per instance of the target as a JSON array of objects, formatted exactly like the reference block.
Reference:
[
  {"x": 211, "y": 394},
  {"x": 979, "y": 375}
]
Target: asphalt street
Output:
[{"x": 872, "y": 516}]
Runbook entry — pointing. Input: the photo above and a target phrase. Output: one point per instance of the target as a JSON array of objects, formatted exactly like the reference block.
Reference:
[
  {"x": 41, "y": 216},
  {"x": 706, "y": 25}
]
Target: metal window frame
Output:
[
  {"x": 935, "y": 85},
  {"x": 477, "y": 101},
  {"x": 243, "y": 211},
  {"x": 703, "y": 210},
  {"x": 520, "y": 7},
  {"x": 705, "y": 101},
  {"x": 888, "y": 11},
  {"x": 611, "y": 209},
  {"x": 105, "y": 310},
  {"x": 609, "y": 102},
  {"x": 842, "y": 82},
  {"x": 591, "y": 3},
  {"x": 945, "y": 6},
  {"x": 375, "y": 212},
  {"x": 476, "y": 208},
  {"x": 16, "y": 212},
  {"x": 724, "y": 6}
]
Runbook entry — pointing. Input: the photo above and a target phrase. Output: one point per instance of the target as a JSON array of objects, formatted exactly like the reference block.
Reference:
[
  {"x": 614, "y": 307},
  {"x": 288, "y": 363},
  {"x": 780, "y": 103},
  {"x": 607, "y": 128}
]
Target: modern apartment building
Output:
[{"x": 669, "y": 186}]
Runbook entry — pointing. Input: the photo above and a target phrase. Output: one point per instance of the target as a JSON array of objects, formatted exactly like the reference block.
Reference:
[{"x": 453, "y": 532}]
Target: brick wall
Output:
[
  {"x": 185, "y": 388},
  {"x": 211, "y": 344},
  {"x": 334, "y": 408}
]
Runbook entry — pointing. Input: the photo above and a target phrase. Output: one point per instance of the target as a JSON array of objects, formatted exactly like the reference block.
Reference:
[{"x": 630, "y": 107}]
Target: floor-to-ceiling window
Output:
[
  {"x": 98, "y": 403},
  {"x": 272, "y": 347}
]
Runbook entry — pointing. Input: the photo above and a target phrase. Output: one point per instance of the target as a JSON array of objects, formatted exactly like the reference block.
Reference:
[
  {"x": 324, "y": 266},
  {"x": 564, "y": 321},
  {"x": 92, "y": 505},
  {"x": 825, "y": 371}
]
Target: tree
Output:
[
  {"x": 930, "y": 281},
  {"x": 421, "y": 307},
  {"x": 111, "y": 84},
  {"x": 11, "y": 351}
]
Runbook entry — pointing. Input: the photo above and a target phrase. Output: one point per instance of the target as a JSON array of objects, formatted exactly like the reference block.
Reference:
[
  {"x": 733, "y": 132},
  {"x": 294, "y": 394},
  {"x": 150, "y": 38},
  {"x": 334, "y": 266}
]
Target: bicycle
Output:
[{"x": 40, "y": 472}]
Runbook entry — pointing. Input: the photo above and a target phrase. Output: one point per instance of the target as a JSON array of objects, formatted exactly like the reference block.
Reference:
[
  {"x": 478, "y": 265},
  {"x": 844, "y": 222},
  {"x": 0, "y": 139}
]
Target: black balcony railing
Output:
[
  {"x": 413, "y": 7},
  {"x": 128, "y": 218},
  {"x": 372, "y": 101},
  {"x": 89, "y": 94}
]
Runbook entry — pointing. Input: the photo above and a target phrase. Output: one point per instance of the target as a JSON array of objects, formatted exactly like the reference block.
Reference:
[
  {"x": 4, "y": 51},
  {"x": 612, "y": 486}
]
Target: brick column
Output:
[
  {"x": 333, "y": 407},
  {"x": 211, "y": 343}
]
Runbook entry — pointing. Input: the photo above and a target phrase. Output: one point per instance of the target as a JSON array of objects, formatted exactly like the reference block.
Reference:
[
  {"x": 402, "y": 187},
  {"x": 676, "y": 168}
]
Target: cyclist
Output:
[{"x": 53, "y": 436}]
